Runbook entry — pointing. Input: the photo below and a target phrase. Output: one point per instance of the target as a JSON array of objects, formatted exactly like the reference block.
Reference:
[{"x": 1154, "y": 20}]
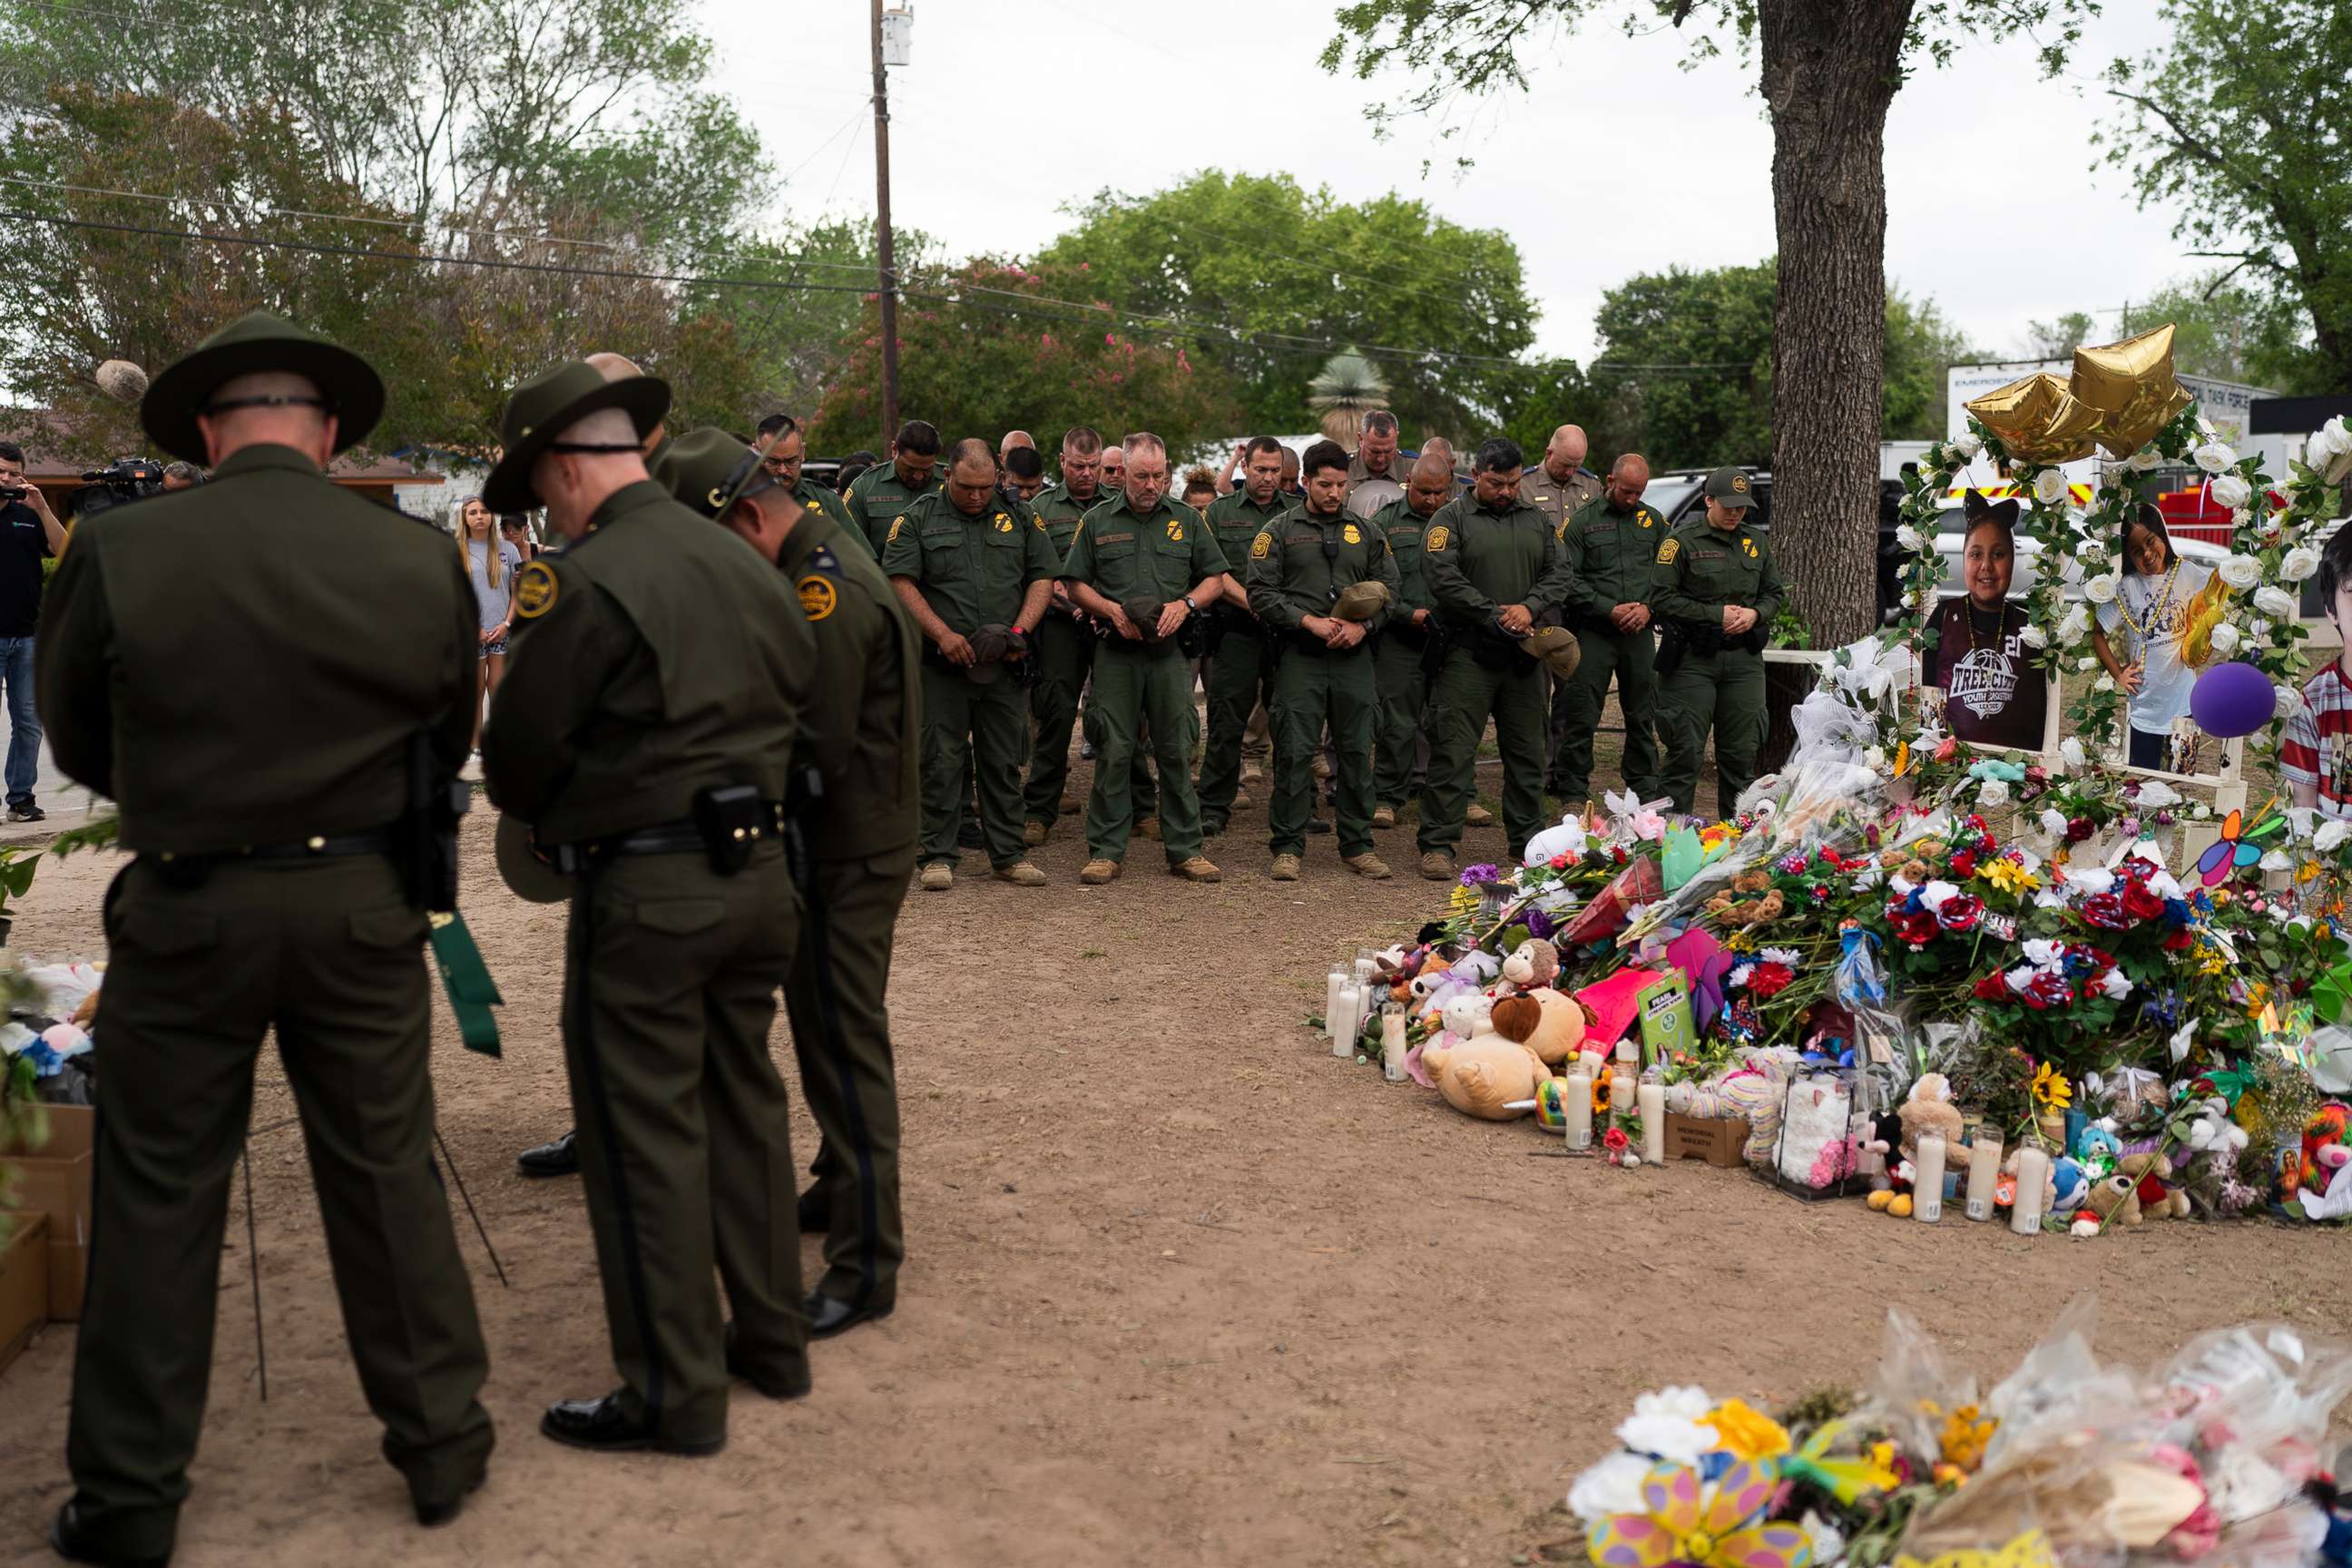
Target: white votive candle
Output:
[
  {"x": 1927, "y": 1184},
  {"x": 1984, "y": 1174},
  {"x": 1579, "y": 1105},
  {"x": 1331, "y": 984},
  {"x": 1346, "y": 1018},
  {"x": 1392, "y": 1044},
  {"x": 1653, "y": 1101},
  {"x": 2033, "y": 1191}
]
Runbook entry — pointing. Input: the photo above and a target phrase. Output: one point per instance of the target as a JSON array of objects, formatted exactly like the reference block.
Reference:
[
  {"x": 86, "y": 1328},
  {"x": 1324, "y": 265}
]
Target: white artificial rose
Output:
[
  {"x": 2226, "y": 638},
  {"x": 2050, "y": 486},
  {"x": 2200, "y": 811},
  {"x": 2231, "y": 491},
  {"x": 2156, "y": 794},
  {"x": 2275, "y": 601},
  {"x": 2052, "y": 823},
  {"x": 1610, "y": 1487},
  {"x": 2215, "y": 458},
  {"x": 2144, "y": 459},
  {"x": 1873, "y": 757},
  {"x": 1970, "y": 445},
  {"x": 2331, "y": 836},
  {"x": 1937, "y": 894},
  {"x": 2034, "y": 636},
  {"x": 1669, "y": 1425},
  {"x": 2276, "y": 860},
  {"x": 1994, "y": 792},
  {"x": 2285, "y": 702},
  {"x": 2328, "y": 453},
  {"x": 1910, "y": 538},
  {"x": 2094, "y": 551},
  {"x": 2070, "y": 752},
  {"x": 2240, "y": 570},
  {"x": 2298, "y": 563},
  {"x": 2073, "y": 625},
  {"x": 2105, "y": 684},
  {"x": 2100, "y": 590},
  {"x": 2086, "y": 664}
]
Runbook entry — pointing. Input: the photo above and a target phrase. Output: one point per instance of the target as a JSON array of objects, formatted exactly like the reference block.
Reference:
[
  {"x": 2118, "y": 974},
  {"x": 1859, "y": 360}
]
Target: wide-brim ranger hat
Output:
[
  {"x": 1360, "y": 601},
  {"x": 550, "y": 403},
  {"x": 528, "y": 875},
  {"x": 1557, "y": 647},
  {"x": 256, "y": 341},
  {"x": 708, "y": 470}
]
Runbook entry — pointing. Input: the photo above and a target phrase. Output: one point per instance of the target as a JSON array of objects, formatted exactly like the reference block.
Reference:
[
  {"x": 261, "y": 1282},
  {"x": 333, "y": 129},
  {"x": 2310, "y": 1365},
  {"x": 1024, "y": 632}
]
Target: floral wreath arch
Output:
[{"x": 2124, "y": 400}]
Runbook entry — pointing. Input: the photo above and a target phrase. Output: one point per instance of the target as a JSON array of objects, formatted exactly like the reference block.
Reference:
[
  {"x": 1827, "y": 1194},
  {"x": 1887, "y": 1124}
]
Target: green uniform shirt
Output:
[
  {"x": 1294, "y": 573},
  {"x": 1060, "y": 510},
  {"x": 1122, "y": 556},
  {"x": 1236, "y": 520},
  {"x": 973, "y": 571},
  {"x": 1559, "y": 501},
  {"x": 1404, "y": 527},
  {"x": 864, "y": 729},
  {"x": 878, "y": 495},
  {"x": 825, "y": 499},
  {"x": 261, "y": 691},
  {"x": 1610, "y": 555},
  {"x": 1701, "y": 568},
  {"x": 654, "y": 658},
  {"x": 1478, "y": 558}
]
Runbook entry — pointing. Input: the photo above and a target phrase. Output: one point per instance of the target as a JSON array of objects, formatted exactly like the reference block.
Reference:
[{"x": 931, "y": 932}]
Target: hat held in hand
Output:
[
  {"x": 1362, "y": 601},
  {"x": 1145, "y": 613},
  {"x": 1557, "y": 647},
  {"x": 989, "y": 644}
]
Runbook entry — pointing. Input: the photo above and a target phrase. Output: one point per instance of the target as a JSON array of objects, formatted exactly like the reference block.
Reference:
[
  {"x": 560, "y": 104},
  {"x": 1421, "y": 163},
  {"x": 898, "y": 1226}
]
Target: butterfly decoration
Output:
[
  {"x": 1684, "y": 1520},
  {"x": 2240, "y": 846}
]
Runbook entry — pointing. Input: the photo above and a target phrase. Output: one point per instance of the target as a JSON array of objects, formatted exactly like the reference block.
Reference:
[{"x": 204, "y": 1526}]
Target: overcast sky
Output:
[{"x": 1617, "y": 163}]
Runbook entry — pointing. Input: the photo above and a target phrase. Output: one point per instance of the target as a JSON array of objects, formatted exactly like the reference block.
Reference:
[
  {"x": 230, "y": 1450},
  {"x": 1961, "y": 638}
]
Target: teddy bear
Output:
[
  {"x": 1558, "y": 1030},
  {"x": 1533, "y": 963},
  {"x": 1463, "y": 1011},
  {"x": 1885, "y": 1140},
  {"x": 1929, "y": 1108},
  {"x": 2321, "y": 1189},
  {"x": 2151, "y": 1176},
  {"x": 2112, "y": 1201},
  {"x": 1485, "y": 1077}
]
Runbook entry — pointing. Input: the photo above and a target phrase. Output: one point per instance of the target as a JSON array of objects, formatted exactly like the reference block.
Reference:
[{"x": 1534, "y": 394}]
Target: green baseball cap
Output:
[{"x": 1732, "y": 487}]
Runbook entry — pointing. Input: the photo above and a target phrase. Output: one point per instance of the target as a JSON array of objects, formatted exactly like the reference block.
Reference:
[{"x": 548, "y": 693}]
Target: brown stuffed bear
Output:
[
  {"x": 2152, "y": 1176},
  {"x": 2112, "y": 1201},
  {"x": 1485, "y": 1076},
  {"x": 1929, "y": 1108}
]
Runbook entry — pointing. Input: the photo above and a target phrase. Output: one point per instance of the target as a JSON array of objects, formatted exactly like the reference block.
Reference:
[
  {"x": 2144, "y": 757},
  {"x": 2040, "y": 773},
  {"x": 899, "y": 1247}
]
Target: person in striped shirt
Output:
[{"x": 2316, "y": 759}]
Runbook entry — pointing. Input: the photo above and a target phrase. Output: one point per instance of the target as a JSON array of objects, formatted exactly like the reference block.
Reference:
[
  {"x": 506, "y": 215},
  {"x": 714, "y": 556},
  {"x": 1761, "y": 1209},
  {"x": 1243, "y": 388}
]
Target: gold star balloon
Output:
[
  {"x": 2038, "y": 420},
  {"x": 2133, "y": 387}
]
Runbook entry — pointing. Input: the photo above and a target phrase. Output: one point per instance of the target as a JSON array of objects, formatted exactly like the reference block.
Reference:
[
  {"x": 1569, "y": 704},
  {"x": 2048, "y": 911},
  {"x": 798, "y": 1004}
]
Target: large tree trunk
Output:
[{"x": 1831, "y": 68}]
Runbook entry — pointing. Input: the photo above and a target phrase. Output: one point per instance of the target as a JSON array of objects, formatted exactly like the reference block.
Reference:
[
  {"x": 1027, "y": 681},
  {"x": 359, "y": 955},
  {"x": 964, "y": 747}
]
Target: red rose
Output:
[
  {"x": 1992, "y": 988},
  {"x": 2105, "y": 910},
  {"x": 1560, "y": 862},
  {"x": 2139, "y": 903},
  {"x": 1916, "y": 927},
  {"x": 1964, "y": 866},
  {"x": 1771, "y": 979},
  {"x": 2079, "y": 829},
  {"x": 2049, "y": 989},
  {"x": 1615, "y": 1141},
  {"x": 2179, "y": 939},
  {"x": 1960, "y": 912}
]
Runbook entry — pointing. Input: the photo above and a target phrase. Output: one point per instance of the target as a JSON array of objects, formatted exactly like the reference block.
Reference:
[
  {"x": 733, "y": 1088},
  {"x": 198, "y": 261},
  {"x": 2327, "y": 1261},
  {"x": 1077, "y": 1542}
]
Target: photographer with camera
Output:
[{"x": 29, "y": 534}]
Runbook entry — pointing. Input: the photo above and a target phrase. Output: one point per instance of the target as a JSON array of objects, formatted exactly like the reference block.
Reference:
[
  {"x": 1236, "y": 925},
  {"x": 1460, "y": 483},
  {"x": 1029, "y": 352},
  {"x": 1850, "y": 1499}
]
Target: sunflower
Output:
[
  {"x": 1600, "y": 1095},
  {"x": 2050, "y": 1088}
]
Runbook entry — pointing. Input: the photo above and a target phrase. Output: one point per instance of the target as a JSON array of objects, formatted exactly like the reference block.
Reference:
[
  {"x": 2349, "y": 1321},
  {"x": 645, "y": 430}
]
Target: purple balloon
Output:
[{"x": 2231, "y": 699}]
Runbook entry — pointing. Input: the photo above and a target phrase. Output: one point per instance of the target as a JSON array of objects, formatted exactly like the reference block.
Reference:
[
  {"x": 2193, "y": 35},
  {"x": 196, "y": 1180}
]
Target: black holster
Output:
[
  {"x": 731, "y": 820},
  {"x": 424, "y": 840}
]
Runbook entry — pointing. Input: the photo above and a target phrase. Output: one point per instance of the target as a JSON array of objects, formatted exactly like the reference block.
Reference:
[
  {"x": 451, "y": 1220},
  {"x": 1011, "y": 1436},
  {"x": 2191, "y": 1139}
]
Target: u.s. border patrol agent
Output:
[
  {"x": 857, "y": 837},
  {"x": 252, "y": 711},
  {"x": 647, "y": 731},
  {"x": 1714, "y": 592},
  {"x": 1065, "y": 655},
  {"x": 1611, "y": 545}
]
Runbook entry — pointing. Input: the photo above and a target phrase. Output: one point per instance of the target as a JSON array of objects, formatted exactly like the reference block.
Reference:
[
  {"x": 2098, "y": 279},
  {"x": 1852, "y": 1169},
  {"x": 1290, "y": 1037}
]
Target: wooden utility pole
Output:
[{"x": 882, "y": 238}]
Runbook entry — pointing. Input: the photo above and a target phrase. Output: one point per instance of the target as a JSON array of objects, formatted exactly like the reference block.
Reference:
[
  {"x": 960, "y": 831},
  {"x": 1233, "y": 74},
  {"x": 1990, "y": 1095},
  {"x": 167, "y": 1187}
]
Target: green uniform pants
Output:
[
  {"x": 1066, "y": 657},
  {"x": 1311, "y": 690},
  {"x": 329, "y": 954},
  {"x": 1464, "y": 696},
  {"x": 685, "y": 1136},
  {"x": 1240, "y": 675},
  {"x": 1725, "y": 691},
  {"x": 973, "y": 728},
  {"x": 1402, "y": 689},
  {"x": 1628, "y": 656},
  {"x": 841, "y": 1032},
  {"x": 1138, "y": 689}
]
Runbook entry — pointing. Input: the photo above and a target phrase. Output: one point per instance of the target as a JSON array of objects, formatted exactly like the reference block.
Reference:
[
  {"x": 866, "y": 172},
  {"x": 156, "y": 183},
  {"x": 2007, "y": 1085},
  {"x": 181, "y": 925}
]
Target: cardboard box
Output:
[
  {"x": 1717, "y": 1139},
  {"x": 56, "y": 1183},
  {"x": 24, "y": 1285}
]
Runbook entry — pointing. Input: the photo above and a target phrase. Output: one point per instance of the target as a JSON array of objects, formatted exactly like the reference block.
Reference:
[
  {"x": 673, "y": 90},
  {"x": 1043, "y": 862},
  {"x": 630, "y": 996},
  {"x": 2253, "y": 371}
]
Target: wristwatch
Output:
[{"x": 1189, "y": 605}]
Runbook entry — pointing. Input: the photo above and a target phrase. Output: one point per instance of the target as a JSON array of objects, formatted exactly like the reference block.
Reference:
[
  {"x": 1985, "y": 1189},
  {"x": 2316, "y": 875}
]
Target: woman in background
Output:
[{"x": 492, "y": 564}]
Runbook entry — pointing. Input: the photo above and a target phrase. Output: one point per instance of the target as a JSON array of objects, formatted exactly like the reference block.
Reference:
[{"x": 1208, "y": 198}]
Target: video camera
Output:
[{"x": 123, "y": 481}]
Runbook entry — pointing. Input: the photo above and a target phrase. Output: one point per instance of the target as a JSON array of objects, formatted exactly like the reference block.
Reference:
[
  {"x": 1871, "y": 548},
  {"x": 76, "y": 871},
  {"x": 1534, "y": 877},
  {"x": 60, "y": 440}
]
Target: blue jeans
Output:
[{"x": 23, "y": 725}]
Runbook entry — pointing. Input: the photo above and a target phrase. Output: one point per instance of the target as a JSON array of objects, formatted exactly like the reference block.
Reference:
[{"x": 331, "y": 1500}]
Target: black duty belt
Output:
[
  {"x": 683, "y": 836},
  {"x": 318, "y": 847}
]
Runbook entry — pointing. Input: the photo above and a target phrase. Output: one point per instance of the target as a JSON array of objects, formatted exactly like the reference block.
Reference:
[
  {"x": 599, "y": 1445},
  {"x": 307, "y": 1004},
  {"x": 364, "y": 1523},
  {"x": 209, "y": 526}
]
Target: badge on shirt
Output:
[
  {"x": 1261, "y": 547},
  {"x": 1437, "y": 539},
  {"x": 534, "y": 590},
  {"x": 1175, "y": 531},
  {"x": 817, "y": 597},
  {"x": 1350, "y": 535},
  {"x": 1668, "y": 550},
  {"x": 1003, "y": 523},
  {"x": 1748, "y": 545}
]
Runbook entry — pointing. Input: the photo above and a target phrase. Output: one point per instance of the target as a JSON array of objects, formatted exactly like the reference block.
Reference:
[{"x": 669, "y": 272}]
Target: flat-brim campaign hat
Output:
[
  {"x": 526, "y": 873},
  {"x": 257, "y": 341},
  {"x": 550, "y": 403}
]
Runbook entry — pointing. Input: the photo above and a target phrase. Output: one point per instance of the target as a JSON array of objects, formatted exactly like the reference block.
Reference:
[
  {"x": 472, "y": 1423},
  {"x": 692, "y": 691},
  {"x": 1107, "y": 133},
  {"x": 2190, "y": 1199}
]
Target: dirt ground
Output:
[{"x": 1199, "y": 1295}]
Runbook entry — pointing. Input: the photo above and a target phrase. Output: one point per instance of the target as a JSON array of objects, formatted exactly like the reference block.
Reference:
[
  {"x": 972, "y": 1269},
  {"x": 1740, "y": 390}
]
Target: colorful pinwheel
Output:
[{"x": 1688, "y": 1520}]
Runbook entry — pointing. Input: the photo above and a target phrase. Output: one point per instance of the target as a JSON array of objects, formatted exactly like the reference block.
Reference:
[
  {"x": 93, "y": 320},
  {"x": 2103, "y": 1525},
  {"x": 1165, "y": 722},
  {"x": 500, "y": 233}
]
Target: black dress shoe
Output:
[
  {"x": 829, "y": 1315},
  {"x": 67, "y": 1540},
  {"x": 1318, "y": 825},
  {"x": 794, "y": 1384},
  {"x": 815, "y": 1213},
  {"x": 560, "y": 1158},
  {"x": 434, "y": 1509},
  {"x": 598, "y": 1424}
]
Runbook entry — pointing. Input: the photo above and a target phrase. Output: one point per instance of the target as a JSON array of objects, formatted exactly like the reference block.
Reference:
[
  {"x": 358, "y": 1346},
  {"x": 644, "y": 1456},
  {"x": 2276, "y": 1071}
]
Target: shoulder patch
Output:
[
  {"x": 1668, "y": 550},
  {"x": 1437, "y": 539},
  {"x": 818, "y": 597},
  {"x": 1262, "y": 546},
  {"x": 1748, "y": 545},
  {"x": 895, "y": 524},
  {"x": 534, "y": 590}
]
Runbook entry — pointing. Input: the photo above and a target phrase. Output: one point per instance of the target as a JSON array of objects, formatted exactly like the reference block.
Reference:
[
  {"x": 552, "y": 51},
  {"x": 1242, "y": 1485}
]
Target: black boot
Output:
[{"x": 560, "y": 1158}]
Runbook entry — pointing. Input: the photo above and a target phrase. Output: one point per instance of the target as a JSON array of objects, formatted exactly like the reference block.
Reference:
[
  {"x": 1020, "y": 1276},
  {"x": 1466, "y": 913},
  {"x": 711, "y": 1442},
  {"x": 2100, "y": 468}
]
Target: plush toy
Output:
[
  {"x": 2151, "y": 1176},
  {"x": 1478, "y": 967},
  {"x": 2071, "y": 1184},
  {"x": 1559, "y": 1034},
  {"x": 1886, "y": 1141},
  {"x": 2114, "y": 1201},
  {"x": 1516, "y": 1019},
  {"x": 1483, "y": 1077},
  {"x": 2096, "y": 1149},
  {"x": 1816, "y": 1148},
  {"x": 1568, "y": 838},
  {"x": 1534, "y": 963},
  {"x": 1929, "y": 1108},
  {"x": 2321, "y": 1189}
]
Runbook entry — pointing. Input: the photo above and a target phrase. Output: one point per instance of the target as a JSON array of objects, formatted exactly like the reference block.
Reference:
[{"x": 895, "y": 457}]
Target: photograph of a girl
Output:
[
  {"x": 491, "y": 561},
  {"x": 1975, "y": 645},
  {"x": 2151, "y": 613}
]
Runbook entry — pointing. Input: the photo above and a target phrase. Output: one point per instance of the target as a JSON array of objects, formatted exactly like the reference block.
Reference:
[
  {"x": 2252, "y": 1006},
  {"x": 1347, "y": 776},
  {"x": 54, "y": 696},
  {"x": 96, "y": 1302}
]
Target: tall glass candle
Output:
[
  {"x": 1346, "y": 1019},
  {"x": 1579, "y": 1105},
  {"x": 1331, "y": 984},
  {"x": 2032, "y": 1190},
  {"x": 1653, "y": 1101},
  {"x": 1621, "y": 1093},
  {"x": 1927, "y": 1184},
  {"x": 1392, "y": 1044},
  {"x": 1984, "y": 1173}
]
